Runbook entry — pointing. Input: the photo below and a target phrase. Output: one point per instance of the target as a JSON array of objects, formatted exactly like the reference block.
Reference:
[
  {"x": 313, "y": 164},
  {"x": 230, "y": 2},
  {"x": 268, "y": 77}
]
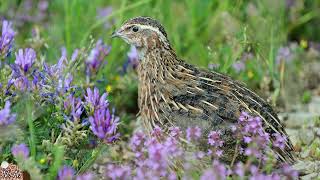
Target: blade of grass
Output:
[
  {"x": 302, "y": 20},
  {"x": 32, "y": 138},
  {"x": 93, "y": 158},
  {"x": 58, "y": 153},
  {"x": 67, "y": 25}
]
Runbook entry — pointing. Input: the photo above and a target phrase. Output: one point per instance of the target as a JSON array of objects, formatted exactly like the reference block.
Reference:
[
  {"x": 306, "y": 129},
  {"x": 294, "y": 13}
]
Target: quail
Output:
[{"x": 174, "y": 93}]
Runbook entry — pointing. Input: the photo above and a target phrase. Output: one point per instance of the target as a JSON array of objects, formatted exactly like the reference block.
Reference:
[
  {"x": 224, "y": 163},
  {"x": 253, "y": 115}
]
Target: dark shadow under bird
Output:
[{"x": 174, "y": 93}]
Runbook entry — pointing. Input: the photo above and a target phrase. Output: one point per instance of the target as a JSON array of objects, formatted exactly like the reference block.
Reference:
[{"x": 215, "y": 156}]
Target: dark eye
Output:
[{"x": 135, "y": 28}]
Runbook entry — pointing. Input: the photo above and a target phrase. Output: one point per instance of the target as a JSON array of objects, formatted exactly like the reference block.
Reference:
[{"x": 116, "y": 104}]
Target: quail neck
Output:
[{"x": 174, "y": 93}]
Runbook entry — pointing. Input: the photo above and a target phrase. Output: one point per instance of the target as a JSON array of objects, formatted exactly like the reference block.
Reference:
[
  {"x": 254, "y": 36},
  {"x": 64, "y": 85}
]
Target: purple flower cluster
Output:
[
  {"x": 102, "y": 123},
  {"x": 132, "y": 60},
  {"x": 133, "y": 57},
  {"x": 20, "y": 150},
  {"x": 280, "y": 141},
  {"x": 240, "y": 65},
  {"x": 6, "y": 39},
  {"x": 30, "y": 12},
  {"x": 193, "y": 133},
  {"x": 68, "y": 173},
  {"x": 74, "y": 107},
  {"x": 217, "y": 172},
  {"x": 251, "y": 131},
  {"x": 103, "y": 13},
  {"x": 118, "y": 172},
  {"x": 152, "y": 155},
  {"x": 94, "y": 101},
  {"x": 6, "y": 117},
  {"x": 214, "y": 139},
  {"x": 21, "y": 72},
  {"x": 155, "y": 154},
  {"x": 25, "y": 59},
  {"x": 284, "y": 54},
  {"x": 55, "y": 90},
  {"x": 96, "y": 57}
]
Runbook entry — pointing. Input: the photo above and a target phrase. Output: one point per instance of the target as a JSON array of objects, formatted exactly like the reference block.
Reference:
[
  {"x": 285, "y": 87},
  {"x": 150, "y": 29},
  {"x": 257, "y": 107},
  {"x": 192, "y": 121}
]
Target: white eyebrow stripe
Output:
[{"x": 151, "y": 28}]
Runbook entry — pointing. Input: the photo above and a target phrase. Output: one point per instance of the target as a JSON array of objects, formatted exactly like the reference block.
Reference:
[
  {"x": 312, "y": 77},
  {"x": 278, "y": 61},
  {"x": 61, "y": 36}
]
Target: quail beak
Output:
[{"x": 115, "y": 34}]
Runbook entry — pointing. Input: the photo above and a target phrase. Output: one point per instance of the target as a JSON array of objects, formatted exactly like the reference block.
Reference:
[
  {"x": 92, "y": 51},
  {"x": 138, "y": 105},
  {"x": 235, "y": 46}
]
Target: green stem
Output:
[
  {"x": 92, "y": 159},
  {"x": 303, "y": 20},
  {"x": 32, "y": 137},
  {"x": 103, "y": 20},
  {"x": 58, "y": 152}
]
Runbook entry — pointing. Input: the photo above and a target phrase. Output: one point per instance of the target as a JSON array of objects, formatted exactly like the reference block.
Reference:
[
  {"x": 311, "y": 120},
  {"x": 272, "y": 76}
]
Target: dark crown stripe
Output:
[{"x": 148, "y": 21}]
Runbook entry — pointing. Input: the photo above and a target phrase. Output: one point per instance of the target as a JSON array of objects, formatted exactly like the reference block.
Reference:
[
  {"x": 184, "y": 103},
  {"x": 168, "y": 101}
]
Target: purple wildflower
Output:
[
  {"x": 6, "y": 117},
  {"x": 105, "y": 12},
  {"x": 94, "y": 101},
  {"x": 133, "y": 57},
  {"x": 64, "y": 84},
  {"x": 25, "y": 59},
  {"x": 284, "y": 54},
  {"x": 262, "y": 176},
  {"x": 193, "y": 133},
  {"x": 73, "y": 106},
  {"x": 74, "y": 55},
  {"x": 251, "y": 131},
  {"x": 20, "y": 150},
  {"x": 86, "y": 176},
  {"x": 247, "y": 139},
  {"x": 137, "y": 141},
  {"x": 253, "y": 125},
  {"x": 239, "y": 66},
  {"x": 175, "y": 132},
  {"x": 214, "y": 139},
  {"x": 118, "y": 172},
  {"x": 219, "y": 152},
  {"x": 172, "y": 176},
  {"x": 66, "y": 173},
  {"x": 22, "y": 83},
  {"x": 290, "y": 3},
  {"x": 315, "y": 46},
  {"x": 96, "y": 57},
  {"x": 43, "y": 5},
  {"x": 28, "y": 14},
  {"x": 239, "y": 169},
  {"x": 158, "y": 158},
  {"x": 68, "y": 81},
  {"x": 289, "y": 172},
  {"x": 243, "y": 116},
  {"x": 200, "y": 154},
  {"x": 218, "y": 172},
  {"x": 246, "y": 56},
  {"x": 172, "y": 147},
  {"x": 157, "y": 132},
  {"x": 104, "y": 125},
  {"x": 253, "y": 151},
  {"x": 7, "y": 37},
  {"x": 280, "y": 141}
]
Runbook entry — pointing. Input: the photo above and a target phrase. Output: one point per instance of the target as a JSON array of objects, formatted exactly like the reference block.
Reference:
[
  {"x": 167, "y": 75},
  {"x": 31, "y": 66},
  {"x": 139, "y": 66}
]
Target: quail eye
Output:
[{"x": 135, "y": 28}]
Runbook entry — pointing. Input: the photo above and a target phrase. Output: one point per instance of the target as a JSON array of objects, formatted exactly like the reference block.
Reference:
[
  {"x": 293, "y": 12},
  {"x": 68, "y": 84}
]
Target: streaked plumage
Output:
[{"x": 174, "y": 93}]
